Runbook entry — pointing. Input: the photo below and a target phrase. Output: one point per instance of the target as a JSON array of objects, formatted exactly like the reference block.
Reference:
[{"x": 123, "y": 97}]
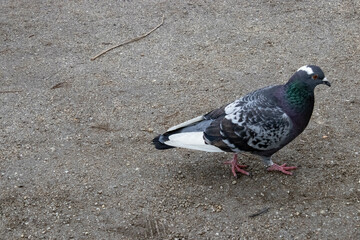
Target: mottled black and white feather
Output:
[{"x": 252, "y": 123}]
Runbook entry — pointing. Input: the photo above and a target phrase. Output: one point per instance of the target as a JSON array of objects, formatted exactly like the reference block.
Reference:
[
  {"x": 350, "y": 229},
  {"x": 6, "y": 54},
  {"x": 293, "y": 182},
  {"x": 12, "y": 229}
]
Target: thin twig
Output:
[
  {"x": 104, "y": 126},
  {"x": 129, "y": 41},
  {"x": 11, "y": 91},
  {"x": 260, "y": 212},
  {"x": 59, "y": 85}
]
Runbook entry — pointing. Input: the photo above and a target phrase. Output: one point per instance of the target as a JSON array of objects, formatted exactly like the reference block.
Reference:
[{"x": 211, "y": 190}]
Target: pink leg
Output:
[
  {"x": 235, "y": 167},
  {"x": 281, "y": 168}
]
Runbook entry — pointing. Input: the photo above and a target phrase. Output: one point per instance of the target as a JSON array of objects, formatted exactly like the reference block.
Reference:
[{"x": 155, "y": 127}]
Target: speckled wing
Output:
[{"x": 253, "y": 123}]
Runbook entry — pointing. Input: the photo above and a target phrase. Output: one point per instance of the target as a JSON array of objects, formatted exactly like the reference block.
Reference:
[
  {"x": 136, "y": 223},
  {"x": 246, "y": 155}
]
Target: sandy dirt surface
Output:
[{"x": 76, "y": 159}]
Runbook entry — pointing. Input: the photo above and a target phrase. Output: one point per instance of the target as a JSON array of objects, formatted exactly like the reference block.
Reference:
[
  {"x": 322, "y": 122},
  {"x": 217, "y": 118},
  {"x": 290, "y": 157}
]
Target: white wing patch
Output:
[
  {"x": 191, "y": 140},
  {"x": 307, "y": 69}
]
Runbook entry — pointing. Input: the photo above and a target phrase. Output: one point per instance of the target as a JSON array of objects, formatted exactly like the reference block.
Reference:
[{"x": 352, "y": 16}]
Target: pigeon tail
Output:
[{"x": 189, "y": 134}]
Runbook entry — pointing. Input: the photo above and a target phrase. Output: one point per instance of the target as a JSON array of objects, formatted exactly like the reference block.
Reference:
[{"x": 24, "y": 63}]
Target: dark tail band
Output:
[{"x": 159, "y": 145}]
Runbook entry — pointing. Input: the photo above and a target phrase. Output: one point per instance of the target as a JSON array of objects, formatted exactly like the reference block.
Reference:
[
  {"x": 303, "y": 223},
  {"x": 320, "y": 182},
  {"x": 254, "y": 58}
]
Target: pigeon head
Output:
[
  {"x": 311, "y": 75},
  {"x": 299, "y": 90}
]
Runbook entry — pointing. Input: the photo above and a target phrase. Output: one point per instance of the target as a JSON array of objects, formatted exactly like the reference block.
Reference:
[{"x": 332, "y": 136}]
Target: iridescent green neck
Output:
[{"x": 298, "y": 94}]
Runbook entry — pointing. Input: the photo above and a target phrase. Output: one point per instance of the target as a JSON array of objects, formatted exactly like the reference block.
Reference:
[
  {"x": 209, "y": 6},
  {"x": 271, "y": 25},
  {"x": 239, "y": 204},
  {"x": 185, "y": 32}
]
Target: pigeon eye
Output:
[{"x": 315, "y": 77}]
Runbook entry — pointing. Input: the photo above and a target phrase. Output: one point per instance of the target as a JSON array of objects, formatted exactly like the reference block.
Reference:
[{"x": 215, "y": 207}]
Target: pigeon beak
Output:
[{"x": 326, "y": 82}]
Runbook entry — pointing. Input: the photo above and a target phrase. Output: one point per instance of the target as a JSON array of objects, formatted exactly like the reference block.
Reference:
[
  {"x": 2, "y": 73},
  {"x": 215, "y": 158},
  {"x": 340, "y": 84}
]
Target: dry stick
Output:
[
  {"x": 130, "y": 41},
  {"x": 59, "y": 85}
]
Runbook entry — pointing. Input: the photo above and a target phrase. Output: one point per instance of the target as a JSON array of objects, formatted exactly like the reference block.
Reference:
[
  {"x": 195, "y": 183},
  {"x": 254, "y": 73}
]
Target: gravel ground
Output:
[{"x": 76, "y": 160}]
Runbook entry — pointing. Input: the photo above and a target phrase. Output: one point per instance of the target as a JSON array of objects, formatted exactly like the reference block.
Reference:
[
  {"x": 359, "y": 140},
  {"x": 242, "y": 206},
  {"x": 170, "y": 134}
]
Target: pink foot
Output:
[
  {"x": 235, "y": 167},
  {"x": 281, "y": 168}
]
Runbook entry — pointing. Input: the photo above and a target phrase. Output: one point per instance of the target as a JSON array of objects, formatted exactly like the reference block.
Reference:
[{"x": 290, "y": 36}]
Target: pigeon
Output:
[{"x": 261, "y": 123}]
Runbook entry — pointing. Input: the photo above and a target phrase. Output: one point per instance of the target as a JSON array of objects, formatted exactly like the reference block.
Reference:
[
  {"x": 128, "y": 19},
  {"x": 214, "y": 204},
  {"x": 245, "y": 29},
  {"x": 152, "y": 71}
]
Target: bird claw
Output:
[
  {"x": 281, "y": 168},
  {"x": 235, "y": 167}
]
